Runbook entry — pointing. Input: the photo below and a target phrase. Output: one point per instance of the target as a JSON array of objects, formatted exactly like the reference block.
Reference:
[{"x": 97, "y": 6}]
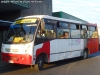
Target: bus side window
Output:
[
  {"x": 93, "y": 32},
  {"x": 50, "y": 31},
  {"x": 75, "y": 30},
  {"x": 63, "y": 30},
  {"x": 38, "y": 38},
  {"x": 43, "y": 34},
  {"x": 84, "y": 31},
  {"x": 38, "y": 35},
  {"x": 84, "y": 35}
]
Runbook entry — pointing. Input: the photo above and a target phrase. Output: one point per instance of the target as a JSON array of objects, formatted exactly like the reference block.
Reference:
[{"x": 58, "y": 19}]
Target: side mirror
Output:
[{"x": 42, "y": 25}]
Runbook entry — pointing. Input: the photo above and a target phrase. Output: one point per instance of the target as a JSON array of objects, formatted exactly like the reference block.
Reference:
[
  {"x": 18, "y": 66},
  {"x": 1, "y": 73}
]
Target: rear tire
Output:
[
  {"x": 39, "y": 63},
  {"x": 85, "y": 54}
]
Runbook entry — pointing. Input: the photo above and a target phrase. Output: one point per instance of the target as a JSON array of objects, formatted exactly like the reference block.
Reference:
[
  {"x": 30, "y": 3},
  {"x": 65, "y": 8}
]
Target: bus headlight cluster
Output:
[{"x": 26, "y": 51}]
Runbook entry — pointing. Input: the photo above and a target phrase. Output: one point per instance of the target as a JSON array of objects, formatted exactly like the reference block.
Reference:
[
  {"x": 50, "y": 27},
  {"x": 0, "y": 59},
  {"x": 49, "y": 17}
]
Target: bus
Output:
[{"x": 39, "y": 39}]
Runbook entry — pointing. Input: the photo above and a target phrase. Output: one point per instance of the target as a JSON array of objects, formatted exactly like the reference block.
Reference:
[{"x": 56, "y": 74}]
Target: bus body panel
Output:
[
  {"x": 59, "y": 49},
  {"x": 65, "y": 48}
]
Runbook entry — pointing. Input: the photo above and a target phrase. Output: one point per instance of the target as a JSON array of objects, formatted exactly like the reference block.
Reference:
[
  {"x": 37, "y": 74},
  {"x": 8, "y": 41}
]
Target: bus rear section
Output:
[{"x": 93, "y": 42}]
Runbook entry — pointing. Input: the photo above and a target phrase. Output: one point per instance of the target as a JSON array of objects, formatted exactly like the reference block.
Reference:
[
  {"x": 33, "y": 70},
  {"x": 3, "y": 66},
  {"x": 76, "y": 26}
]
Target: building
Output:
[
  {"x": 12, "y": 9},
  {"x": 67, "y": 16}
]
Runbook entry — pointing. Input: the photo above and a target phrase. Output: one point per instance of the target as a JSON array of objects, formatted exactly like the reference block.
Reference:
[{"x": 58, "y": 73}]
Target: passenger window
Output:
[
  {"x": 47, "y": 34},
  {"x": 50, "y": 31},
  {"x": 73, "y": 26},
  {"x": 63, "y": 30},
  {"x": 63, "y": 25},
  {"x": 93, "y": 32},
  {"x": 84, "y": 31},
  {"x": 75, "y": 31}
]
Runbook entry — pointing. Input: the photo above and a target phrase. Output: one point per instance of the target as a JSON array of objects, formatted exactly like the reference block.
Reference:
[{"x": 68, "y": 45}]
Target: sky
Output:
[{"x": 88, "y": 10}]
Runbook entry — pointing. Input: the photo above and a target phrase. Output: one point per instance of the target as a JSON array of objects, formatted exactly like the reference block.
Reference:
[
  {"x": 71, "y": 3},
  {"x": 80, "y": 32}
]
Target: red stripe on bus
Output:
[{"x": 44, "y": 49}]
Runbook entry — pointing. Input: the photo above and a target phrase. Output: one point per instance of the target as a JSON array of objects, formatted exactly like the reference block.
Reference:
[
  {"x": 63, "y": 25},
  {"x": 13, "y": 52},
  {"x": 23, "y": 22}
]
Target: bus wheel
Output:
[
  {"x": 39, "y": 63},
  {"x": 85, "y": 54}
]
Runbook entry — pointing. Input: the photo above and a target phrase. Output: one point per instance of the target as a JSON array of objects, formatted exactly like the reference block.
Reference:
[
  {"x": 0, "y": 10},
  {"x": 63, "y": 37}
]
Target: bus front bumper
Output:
[{"x": 24, "y": 59}]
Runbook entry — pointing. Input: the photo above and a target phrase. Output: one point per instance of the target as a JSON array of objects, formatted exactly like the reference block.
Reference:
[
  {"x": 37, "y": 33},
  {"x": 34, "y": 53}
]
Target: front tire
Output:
[{"x": 39, "y": 63}]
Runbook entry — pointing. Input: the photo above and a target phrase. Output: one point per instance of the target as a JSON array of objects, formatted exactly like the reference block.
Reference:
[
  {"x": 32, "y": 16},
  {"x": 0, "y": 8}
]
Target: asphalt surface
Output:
[{"x": 73, "y": 66}]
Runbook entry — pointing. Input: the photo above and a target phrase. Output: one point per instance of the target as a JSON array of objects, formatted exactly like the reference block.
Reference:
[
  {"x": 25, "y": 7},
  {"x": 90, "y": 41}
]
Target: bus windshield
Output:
[{"x": 21, "y": 33}]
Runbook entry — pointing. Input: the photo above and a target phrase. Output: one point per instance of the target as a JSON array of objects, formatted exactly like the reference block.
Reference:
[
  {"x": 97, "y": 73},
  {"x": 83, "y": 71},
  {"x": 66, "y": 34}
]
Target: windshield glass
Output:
[{"x": 21, "y": 33}]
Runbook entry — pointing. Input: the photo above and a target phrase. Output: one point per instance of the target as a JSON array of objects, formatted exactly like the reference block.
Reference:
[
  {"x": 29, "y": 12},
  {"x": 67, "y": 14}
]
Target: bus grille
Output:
[{"x": 11, "y": 50}]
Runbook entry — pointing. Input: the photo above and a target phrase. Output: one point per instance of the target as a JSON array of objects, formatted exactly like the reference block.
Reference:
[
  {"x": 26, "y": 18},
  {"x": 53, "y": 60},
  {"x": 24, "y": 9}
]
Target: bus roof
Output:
[
  {"x": 92, "y": 24},
  {"x": 51, "y": 17},
  {"x": 56, "y": 18},
  {"x": 6, "y": 21}
]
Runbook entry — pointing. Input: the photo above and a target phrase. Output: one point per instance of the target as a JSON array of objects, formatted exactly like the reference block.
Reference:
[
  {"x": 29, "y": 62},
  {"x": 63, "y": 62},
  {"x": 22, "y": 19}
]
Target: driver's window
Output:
[{"x": 49, "y": 31}]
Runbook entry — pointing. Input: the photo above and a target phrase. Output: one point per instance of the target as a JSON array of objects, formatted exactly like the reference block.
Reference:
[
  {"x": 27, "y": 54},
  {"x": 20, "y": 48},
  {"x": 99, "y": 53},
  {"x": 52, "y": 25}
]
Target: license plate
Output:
[{"x": 10, "y": 61}]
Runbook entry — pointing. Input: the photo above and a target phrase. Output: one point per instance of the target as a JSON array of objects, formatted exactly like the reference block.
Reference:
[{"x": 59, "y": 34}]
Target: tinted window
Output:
[
  {"x": 84, "y": 27},
  {"x": 92, "y": 28},
  {"x": 63, "y": 25},
  {"x": 72, "y": 26}
]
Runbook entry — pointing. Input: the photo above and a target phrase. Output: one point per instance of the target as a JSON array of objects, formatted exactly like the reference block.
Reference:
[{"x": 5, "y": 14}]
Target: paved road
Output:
[{"x": 74, "y": 66}]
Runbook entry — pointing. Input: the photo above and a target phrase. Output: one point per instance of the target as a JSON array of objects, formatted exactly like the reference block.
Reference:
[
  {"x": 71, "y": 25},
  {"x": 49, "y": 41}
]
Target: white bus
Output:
[{"x": 34, "y": 40}]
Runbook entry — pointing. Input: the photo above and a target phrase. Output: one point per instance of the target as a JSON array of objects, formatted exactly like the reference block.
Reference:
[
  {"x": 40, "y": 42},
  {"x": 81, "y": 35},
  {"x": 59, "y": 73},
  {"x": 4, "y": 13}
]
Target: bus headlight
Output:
[{"x": 26, "y": 51}]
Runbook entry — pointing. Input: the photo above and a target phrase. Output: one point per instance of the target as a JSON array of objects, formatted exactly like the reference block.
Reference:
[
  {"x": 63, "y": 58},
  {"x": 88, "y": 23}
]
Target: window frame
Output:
[{"x": 77, "y": 28}]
